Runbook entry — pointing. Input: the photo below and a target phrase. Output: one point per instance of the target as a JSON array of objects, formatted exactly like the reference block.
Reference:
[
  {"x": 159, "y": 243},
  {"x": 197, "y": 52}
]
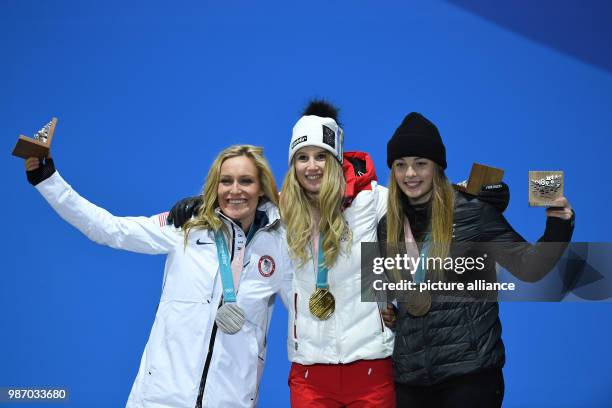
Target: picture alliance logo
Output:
[{"x": 408, "y": 263}]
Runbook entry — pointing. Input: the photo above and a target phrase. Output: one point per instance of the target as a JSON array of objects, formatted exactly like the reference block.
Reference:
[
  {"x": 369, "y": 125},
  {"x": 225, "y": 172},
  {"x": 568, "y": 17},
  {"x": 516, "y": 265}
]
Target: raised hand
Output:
[
  {"x": 560, "y": 208},
  {"x": 38, "y": 170}
]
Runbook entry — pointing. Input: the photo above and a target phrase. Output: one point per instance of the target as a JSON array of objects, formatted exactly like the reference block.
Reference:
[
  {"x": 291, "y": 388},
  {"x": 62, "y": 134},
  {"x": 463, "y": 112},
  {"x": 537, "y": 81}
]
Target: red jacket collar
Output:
[{"x": 359, "y": 172}]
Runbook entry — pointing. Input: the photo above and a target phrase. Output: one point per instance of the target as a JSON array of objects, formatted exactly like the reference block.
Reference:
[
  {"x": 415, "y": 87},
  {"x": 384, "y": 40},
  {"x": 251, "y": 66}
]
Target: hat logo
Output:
[
  {"x": 298, "y": 141},
  {"x": 329, "y": 137},
  {"x": 266, "y": 266}
]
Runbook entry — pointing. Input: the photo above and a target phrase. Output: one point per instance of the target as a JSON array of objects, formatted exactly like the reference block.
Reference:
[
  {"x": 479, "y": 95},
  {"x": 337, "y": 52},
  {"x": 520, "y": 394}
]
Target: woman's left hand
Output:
[
  {"x": 38, "y": 170},
  {"x": 560, "y": 208}
]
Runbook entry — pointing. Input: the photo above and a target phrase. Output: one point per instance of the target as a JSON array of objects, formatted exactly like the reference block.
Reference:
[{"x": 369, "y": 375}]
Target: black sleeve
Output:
[
  {"x": 527, "y": 262},
  {"x": 183, "y": 210},
  {"x": 43, "y": 172},
  {"x": 381, "y": 233},
  {"x": 498, "y": 195}
]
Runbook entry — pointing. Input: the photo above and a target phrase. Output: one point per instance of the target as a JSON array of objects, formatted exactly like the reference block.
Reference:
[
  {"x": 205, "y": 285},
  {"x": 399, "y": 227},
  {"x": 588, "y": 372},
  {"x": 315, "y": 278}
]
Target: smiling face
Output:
[
  {"x": 414, "y": 176},
  {"x": 239, "y": 190},
  {"x": 309, "y": 165}
]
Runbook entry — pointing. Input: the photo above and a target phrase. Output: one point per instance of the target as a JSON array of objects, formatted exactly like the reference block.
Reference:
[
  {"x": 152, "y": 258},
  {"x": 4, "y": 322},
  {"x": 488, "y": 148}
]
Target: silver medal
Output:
[{"x": 230, "y": 318}]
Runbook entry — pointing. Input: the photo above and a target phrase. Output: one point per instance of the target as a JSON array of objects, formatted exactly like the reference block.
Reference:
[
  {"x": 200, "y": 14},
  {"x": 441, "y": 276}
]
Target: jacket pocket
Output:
[
  {"x": 235, "y": 369},
  {"x": 258, "y": 358},
  {"x": 175, "y": 353}
]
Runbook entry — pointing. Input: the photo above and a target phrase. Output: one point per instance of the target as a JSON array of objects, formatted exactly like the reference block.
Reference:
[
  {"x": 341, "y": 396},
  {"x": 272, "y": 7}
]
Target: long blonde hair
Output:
[
  {"x": 206, "y": 216},
  {"x": 296, "y": 211},
  {"x": 440, "y": 223}
]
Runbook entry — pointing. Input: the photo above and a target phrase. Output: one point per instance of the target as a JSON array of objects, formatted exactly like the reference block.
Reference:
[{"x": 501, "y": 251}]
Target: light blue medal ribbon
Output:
[
  {"x": 322, "y": 303},
  {"x": 229, "y": 294},
  {"x": 322, "y": 270},
  {"x": 419, "y": 274},
  {"x": 230, "y": 317}
]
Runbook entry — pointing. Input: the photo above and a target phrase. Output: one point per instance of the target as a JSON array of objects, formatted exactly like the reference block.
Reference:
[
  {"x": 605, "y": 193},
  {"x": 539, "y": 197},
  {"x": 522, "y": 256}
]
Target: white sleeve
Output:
[
  {"x": 137, "y": 234},
  {"x": 286, "y": 288},
  {"x": 382, "y": 193}
]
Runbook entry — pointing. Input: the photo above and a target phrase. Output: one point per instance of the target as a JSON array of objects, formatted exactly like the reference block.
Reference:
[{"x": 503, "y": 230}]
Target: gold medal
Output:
[
  {"x": 418, "y": 303},
  {"x": 322, "y": 303}
]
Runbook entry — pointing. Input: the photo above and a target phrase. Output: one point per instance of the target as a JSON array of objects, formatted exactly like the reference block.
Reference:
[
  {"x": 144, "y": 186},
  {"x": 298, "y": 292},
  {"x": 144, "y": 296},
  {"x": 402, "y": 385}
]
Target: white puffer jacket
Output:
[{"x": 355, "y": 331}]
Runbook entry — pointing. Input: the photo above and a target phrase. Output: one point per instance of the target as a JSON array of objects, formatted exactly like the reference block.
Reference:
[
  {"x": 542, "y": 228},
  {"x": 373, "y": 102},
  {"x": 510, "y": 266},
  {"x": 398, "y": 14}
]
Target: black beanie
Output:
[{"x": 416, "y": 136}]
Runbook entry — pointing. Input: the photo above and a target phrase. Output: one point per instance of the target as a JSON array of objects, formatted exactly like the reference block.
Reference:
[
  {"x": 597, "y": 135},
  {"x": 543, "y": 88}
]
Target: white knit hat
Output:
[{"x": 314, "y": 130}]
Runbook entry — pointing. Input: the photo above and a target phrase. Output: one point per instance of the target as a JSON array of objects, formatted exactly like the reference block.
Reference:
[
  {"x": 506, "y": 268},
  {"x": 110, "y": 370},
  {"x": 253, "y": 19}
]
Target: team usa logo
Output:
[{"x": 266, "y": 266}]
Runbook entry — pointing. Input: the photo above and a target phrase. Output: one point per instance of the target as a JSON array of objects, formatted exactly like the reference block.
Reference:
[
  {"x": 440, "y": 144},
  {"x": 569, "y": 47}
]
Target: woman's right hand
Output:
[
  {"x": 389, "y": 316},
  {"x": 38, "y": 170}
]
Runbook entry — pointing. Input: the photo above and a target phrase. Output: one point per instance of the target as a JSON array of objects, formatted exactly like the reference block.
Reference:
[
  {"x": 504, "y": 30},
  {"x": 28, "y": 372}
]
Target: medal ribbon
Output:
[
  {"x": 321, "y": 268},
  {"x": 412, "y": 249},
  {"x": 229, "y": 274}
]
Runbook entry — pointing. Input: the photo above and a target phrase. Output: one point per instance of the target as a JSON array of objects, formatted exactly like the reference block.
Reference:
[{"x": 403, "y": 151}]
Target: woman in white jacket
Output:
[
  {"x": 207, "y": 344},
  {"x": 330, "y": 203}
]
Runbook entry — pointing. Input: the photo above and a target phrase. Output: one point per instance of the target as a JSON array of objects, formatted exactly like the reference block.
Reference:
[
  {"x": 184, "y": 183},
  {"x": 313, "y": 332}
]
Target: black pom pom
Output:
[{"x": 321, "y": 108}]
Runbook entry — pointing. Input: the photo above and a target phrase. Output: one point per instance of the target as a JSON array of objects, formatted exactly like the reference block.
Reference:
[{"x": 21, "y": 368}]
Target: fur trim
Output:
[{"x": 323, "y": 109}]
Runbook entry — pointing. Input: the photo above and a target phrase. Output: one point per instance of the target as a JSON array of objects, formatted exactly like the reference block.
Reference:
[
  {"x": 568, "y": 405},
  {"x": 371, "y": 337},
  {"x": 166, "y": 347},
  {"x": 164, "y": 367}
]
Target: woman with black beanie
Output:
[{"x": 448, "y": 350}]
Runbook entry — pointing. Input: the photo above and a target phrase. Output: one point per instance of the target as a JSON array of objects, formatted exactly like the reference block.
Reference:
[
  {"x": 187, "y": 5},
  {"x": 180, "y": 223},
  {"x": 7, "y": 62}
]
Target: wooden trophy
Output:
[
  {"x": 480, "y": 175},
  {"x": 545, "y": 187},
  {"x": 38, "y": 145}
]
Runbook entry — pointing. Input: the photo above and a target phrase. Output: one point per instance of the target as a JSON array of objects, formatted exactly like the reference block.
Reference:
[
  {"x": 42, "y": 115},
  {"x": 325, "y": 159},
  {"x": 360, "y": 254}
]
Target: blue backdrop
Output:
[{"x": 147, "y": 94}]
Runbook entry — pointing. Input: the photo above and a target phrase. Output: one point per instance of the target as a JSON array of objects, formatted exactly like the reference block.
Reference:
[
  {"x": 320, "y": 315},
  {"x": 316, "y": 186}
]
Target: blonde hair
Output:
[
  {"x": 207, "y": 218},
  {"x": 296, "y": 211},
  {"x": 440, "y": 222}
]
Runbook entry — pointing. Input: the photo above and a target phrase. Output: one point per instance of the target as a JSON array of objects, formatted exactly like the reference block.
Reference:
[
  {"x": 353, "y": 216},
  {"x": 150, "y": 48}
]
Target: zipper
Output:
[
  {"x": 213, "y": 334},
  {"x": 331, "y": 282},
  {"x": 295, "y": 298},
  {"x": 211, "y": 346},
  {"x": 338, "y": 342},
  {"x": 233, "y": 232}
]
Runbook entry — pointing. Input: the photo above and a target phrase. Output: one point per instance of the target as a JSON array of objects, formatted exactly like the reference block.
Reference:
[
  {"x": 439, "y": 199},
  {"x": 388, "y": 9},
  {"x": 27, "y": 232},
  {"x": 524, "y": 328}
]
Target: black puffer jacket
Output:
[{"x": 456, "y": 338}]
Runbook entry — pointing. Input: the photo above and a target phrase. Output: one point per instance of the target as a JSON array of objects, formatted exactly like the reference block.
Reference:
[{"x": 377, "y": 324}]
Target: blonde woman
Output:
[
  {"x": 330, "y": 203},
  {"x": 207, "y": 344},
  {"x": 450, "y": 353}
]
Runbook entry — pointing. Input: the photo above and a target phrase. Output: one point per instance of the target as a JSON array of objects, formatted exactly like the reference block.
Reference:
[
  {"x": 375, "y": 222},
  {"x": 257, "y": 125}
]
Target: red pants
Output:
[{"x": 363, "y": 383}]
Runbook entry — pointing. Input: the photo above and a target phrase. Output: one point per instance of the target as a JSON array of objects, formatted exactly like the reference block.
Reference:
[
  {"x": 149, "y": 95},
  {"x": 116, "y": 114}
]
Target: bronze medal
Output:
[
  {"x": 418, "y": 303},
  {"x": 322, "y": 304}
]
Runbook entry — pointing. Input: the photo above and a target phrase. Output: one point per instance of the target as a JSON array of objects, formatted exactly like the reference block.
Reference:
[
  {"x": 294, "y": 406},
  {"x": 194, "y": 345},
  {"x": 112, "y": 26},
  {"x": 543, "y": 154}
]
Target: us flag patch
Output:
[
  {"x": 163, "y": 218},
  {"x": 266, "y": 266}
]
